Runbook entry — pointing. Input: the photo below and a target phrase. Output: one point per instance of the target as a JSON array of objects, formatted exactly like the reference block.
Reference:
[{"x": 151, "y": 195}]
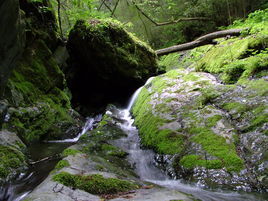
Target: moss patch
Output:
[
  {"x": 192, "y": 161},
  {"x": 10, "y": 160},
  {"x": 238, "y": 59},
  {"x": 61, "y": 164},
  {"x": 163, "y": 140},
  {"x": 70, "y": 152},
  {"x": 217, "y": 146},
  {"x": 95, "y": 184}
]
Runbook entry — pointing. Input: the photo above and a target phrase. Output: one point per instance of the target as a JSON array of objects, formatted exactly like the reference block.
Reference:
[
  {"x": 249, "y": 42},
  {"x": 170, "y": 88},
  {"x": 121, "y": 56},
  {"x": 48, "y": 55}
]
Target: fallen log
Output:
[{"x": 203, "y": 40}]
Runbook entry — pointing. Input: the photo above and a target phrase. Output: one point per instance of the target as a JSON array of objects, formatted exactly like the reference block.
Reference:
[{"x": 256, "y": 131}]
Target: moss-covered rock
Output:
[
  {"x": 11, "y": 160},
  {"x": 39, "y": 105},
  {"x": 105, "y": 55},
  {"x": 237, "y": 59},
  {"x": 95, "y": 184},
  {"x": 205, "y": 125},
  {"x": 12, "y": 155}
]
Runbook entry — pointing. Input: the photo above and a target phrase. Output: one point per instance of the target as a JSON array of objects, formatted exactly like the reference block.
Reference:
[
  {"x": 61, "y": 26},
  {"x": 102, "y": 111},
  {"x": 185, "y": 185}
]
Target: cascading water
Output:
[
  {"x": 88, "y": 126},
  {"x": 142, "y": 161}
]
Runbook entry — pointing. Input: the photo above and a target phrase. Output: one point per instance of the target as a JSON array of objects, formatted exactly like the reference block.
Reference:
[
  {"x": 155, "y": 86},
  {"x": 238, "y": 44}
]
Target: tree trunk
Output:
[{"x": 204, "y": 40}]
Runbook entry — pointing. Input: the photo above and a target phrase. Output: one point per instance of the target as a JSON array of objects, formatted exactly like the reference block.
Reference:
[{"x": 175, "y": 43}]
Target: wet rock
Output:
[
  {"x": 204, "y": 131},
  {"x": 11, "y": 139},
  {"x": 83, "y": 164},
  {"x": 105, "y": 55}
]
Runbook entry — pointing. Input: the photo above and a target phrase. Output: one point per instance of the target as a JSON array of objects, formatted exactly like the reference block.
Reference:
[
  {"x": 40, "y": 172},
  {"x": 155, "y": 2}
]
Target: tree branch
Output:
[
  {"x": 115, "y": 8},
  {"x": 102, "y": 2},
  {"x": 204, "y": 40},
  {"x": 169, "y": 22}
]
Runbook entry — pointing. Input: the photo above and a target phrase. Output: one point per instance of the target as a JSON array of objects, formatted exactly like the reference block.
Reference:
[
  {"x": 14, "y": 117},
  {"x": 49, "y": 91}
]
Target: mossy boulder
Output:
[
  {"x": 213, "y": 127},
  {"x": 39, "y": 104},
  {"x": 109, "y": 60},
  {"x": 205, "y": 127}
]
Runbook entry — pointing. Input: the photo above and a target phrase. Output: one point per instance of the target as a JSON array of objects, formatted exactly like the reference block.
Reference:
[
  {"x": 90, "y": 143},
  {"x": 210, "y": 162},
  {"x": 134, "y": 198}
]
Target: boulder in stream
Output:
[
  {"x": 107, "y": 63},
  {"x": 211, "y": 127}
]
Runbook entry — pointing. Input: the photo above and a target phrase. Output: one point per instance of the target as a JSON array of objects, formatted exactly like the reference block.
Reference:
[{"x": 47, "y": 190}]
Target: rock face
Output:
[
  {"x": 12, "y": 39},
  {"x": 35, "y": 104},
  {"x": 107, "y": 63},
  {"x": 209, "y": 131}
]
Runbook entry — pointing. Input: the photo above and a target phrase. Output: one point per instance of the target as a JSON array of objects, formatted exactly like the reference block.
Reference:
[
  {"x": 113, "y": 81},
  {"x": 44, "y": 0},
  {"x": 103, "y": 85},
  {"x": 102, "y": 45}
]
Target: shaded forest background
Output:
[{"x": 143, "y": 17}]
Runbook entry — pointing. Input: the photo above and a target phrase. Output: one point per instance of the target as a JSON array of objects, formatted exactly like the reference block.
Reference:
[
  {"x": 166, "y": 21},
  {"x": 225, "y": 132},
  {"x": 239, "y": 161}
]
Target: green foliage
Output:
[
  {"x": 113, "y": 151},
  {"x": 238, "y": 107},
  {"x": 219, "y": 13},
  {"x": 73, "y": 10},
  {"x": 237, "y": 59},
  {"x": 257, "y": 22},
  {"x": 95, "y": 184}
]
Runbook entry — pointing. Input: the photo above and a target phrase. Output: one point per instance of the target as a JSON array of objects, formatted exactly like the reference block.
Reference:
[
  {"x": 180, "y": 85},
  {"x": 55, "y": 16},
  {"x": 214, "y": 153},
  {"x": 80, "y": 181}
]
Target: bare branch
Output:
[
  {"x": 115, "y": 8},
  {"x": 169, "y": 22},
  {"x": 102, "y": 2}
]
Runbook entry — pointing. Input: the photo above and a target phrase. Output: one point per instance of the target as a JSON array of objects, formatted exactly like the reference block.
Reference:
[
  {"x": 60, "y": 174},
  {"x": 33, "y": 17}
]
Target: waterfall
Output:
[{"x": 135, "y": 95}]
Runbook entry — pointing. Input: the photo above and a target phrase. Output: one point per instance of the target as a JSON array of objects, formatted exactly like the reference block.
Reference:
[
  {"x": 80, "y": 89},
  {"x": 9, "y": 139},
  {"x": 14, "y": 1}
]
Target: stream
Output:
[{"x": 142, "y": 160}]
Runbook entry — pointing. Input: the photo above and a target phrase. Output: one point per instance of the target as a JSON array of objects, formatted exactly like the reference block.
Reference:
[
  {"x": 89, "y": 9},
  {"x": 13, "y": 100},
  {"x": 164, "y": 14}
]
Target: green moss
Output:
[
  {"x": 192, "y": 161},
  {"x": 245, "y": 68},
  {"x": 170, "y": 61},
  {"x": 10, "y": 160},
  {"x": 113, "y": 151},
  {"x": 114, "y": 44},
  {"x": 163, "y": 141},
  {"x": 209, "y": 93},
  {"x": 173, "y": 74},
  {"x": 61, "y": 164},
  {"x": 70, "y": 152},
  {"x": 95, "y": 184},
  {"x": 217, "y": 146},
  {"x": 37, "y": 84},
  {"x": 238, "y": 107},
  {"x": 236, "y": 59},
  {"x": 212, "y": 121},
  {"x": 258, "y": 86}
]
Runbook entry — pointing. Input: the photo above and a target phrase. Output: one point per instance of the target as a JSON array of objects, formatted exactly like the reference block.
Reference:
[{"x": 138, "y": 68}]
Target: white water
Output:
[
  {"x": 135, "y": 95},
  {"x": 142, "y": 162},
  {"x": 88, "y": 126}
]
